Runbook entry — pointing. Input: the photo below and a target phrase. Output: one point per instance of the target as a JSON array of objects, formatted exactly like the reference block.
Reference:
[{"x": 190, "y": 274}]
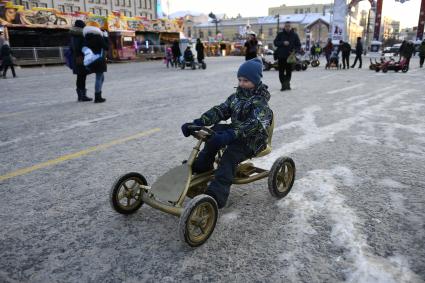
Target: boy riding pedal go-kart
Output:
[{"x": 205, "y": 178}]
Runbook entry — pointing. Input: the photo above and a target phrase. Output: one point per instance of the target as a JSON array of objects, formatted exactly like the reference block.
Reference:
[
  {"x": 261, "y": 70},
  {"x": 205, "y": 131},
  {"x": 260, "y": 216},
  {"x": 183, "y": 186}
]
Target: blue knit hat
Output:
[{"x": 252, "y": 70}]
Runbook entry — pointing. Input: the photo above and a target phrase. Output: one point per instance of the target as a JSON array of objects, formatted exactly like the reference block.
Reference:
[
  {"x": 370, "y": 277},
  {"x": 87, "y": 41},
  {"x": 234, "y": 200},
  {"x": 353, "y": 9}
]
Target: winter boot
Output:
[
  {"x": 84, "y": 96},
  {"x": 98, "y": 97}
]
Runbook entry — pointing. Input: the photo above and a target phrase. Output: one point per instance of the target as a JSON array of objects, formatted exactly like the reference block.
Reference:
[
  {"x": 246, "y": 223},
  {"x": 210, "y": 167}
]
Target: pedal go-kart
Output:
[
  {"x": 199, "y": 216},
  {"x": 193, "y": 65}
]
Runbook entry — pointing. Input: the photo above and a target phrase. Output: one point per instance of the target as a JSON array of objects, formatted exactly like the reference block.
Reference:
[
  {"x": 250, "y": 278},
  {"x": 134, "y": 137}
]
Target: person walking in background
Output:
[
  {"x": 7, "y": 61},
  {"x": 168, "y": 57},
  {"x": 97, "y": 41},
  {"x": 359, "y": 51},
  {"x": 422, "y": 54},
  {"x": 251, "y": 47},
  {"x": 345, "y": 49},
  {"x": 286, "y": 41},
  {"x": 77, "y": 43},
  {"x": 176, "y": 53},
  {"x": 407, "y": 52},
  {"x": 200, "y": 55},
  {"x": 328, "y": 51}
]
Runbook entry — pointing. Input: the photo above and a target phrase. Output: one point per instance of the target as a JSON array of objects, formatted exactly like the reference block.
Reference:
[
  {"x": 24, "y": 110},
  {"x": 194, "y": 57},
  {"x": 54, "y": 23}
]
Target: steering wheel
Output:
[{"x": 200, "y": 132}]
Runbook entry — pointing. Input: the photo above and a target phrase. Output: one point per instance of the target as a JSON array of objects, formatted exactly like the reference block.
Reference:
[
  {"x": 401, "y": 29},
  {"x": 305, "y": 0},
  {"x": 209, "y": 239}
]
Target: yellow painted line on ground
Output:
[
  {"x": 3, "y": 115},
  {"x": 75, "y": 155}
]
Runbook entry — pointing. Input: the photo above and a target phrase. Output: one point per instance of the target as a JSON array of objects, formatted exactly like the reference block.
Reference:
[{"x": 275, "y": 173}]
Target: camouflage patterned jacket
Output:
[{"x": 250, "y": 115}]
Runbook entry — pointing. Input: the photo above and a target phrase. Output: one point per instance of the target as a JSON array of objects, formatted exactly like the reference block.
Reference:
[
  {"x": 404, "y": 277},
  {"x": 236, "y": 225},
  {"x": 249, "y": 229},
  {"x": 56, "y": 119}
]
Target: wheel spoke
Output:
[
  {"x": 128, "y": 201},
  {"x": 125, "y": 186}
]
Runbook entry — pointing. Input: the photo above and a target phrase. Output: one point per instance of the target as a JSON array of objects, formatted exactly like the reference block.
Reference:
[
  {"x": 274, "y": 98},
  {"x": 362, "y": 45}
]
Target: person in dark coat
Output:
[
  {"x": 251, "y": 47},
  {"x": 200, "y": 51},
  {"x": 407, "y": 52},
  {"x": 286, "y": 41},
  {"x": 345, "y": 49},
  {"x": 77, "y": 43},
  {"x": 6, "y": 56},
  {"x": 422, "y": 54},
  {"x": 97, "y": 41},
  {"x": 176, "y": 52},
  {"x": 359, "y": 51},
  {"x": 328, "y": 51}
]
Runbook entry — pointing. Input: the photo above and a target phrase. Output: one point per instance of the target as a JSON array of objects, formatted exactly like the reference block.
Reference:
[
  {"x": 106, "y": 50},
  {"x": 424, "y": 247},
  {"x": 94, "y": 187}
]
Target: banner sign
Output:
[{"x": 338, "y": 31}]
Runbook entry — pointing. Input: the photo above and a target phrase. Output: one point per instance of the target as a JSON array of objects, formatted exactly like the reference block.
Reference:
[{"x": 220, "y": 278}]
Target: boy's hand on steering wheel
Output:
[
  {"x": 222, "y": 138},
  {"x": 185, "y": 127}
]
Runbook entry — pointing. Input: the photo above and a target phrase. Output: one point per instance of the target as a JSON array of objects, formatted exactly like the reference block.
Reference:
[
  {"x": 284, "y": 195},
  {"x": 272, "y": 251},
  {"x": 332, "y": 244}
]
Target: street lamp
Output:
[
  {"x": 278, "y": 18},
  {"x": 214, "y": 20}
]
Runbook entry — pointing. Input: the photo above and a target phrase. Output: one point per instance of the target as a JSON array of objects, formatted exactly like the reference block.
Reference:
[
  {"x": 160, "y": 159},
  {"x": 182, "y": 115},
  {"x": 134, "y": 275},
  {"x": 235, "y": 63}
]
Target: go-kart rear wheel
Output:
[
  {"x": 384, "y": 69},
  {"x": 303, "y": 66},
  {"x": 315, "y": 63},
  {"x": 198, "y": 220},
  {"x": 126, "y": 194},
  {"x": 281, "y": 177},
  {"x": 297, "y": 67},
  {"x": 405, "y": 69}
]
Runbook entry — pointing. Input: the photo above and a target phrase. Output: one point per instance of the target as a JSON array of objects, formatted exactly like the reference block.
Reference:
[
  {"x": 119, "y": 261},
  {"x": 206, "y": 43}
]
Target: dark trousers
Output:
[
  {"x": 358, "y": 57},
  {"x": 346, "y": 60},
  {"x": 5, "y": 67},
  {"x": 421, "y": 61},
  {"x": 285, "y": 71},
  {"x": 81, "y": 81},
  {"x": 235, "y": 153}
]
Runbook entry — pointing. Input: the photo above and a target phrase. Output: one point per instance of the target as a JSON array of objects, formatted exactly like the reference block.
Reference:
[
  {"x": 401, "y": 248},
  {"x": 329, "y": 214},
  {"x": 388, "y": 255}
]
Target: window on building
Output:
[
  {"x": 129, "y": 3},
  {"x": 122, "y": 3},
  {"x": 91, "y": 10},
  {"x": 97, "y": 1},
  {"x": 150, "y": 4},
  {"x": 91, "y": 1},
  {"x": 146, "y": 5},
  {"x": 189, "y": 32},
  {"x": 317, "y": 10},
  {"x": 209, "y": 33},
  {"x": 301, "y": 11},
  {"x": 296, "y": 11},
  {"x": 308, "y": 11},
  {"x": 270, "y": 31},
  {"x": 117, "y": 2},
  {"x": 106, "y": 12},
  {"x": 105, "y": 2},
  {"x": 77, "y": 9},
  {"x": 68, "y": 9},
  {"x": 43, "y": 5},
  {"x": 201, "y": 34},
  {"x": 60, "y": 8}
]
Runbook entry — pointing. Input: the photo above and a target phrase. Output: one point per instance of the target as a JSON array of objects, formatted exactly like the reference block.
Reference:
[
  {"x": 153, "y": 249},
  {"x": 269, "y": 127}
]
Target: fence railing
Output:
[{"x": 39, "y": 55}]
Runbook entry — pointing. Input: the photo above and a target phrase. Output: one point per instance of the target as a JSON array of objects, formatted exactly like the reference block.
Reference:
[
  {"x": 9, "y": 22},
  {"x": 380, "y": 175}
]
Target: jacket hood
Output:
[{"x": 92, "y": 30}]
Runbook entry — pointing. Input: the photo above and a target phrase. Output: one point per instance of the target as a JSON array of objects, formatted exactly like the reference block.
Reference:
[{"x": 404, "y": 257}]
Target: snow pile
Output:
[{"x": 317, "y": 194}]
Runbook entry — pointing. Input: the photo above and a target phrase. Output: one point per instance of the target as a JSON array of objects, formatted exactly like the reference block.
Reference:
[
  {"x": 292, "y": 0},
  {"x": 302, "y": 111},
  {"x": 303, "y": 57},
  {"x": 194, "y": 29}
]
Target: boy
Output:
[
  {"x": 188, "y": 55},
  {"x": 244, "y": 138}
]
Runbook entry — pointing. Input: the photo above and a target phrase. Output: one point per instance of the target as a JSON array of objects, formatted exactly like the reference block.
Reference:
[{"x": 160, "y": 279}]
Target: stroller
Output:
[{"x": 333, "y": 61}]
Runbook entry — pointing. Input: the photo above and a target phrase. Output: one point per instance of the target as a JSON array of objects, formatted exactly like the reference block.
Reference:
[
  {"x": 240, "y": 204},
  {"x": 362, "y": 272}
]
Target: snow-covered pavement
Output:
[{"x": 356, "y": 211}]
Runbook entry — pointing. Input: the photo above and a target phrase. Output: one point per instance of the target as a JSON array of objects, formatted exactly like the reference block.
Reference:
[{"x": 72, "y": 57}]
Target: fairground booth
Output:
[{"x": 41, "y": 35}]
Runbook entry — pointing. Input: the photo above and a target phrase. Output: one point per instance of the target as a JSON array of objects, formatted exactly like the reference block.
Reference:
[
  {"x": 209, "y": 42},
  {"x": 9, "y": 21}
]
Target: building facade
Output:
[
  {"x": 129, "y": 8},
  {"x": 301, "y": 9}
]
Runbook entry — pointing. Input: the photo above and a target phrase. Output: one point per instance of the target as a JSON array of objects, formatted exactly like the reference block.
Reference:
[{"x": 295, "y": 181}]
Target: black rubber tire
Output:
[
  {"x": 405, "y": 69},
  {"x": 315, "y": 63},
  {"x": 113, "y": 194},
  {"x": 384, "y": 69},
  {"x": 193, "y": 65},
  {"x": 184, "y": 219},
  {"x": 297, "y": 67},
  {"x": 377, "y": 70},
  {"x": 203, "y": 66},
  {"x": 183, "y": 65},
  {"x": 303, "y": 66},
  {"x": 273, "y": 185}
]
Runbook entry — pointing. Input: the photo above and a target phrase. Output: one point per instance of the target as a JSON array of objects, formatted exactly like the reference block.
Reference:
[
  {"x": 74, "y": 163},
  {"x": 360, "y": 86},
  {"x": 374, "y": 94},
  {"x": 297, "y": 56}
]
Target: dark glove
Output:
[
  {"x": 222, "y": 138},
  {"x": 185, "y": 129},
  {"x": 198, "y": 122}
]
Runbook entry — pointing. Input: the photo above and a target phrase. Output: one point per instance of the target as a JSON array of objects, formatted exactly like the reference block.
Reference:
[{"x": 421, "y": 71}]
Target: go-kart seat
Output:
[{"x": 268, "y": 149}]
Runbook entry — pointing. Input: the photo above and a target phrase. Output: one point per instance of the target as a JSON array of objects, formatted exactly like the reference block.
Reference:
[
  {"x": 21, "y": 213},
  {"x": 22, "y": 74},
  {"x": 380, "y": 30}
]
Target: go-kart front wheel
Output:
[
  {"x": 281, "y": 177},
  {"x": 126, "y": 193},
  {"x": 198, "y": 220}
]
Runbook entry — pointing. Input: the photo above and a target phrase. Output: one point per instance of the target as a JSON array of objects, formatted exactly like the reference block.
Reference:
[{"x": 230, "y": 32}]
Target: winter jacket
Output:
[
  {"x": 328, "y": 48},
  {"x": 250, "y": 115},
  {"x": 422, "y": 50},
  {"x": 345, "y": 48},
  {"x": 251, "y": 47},
  {"x": 283, "y": 51},
  {"x": 176, "y": 50},
  {"x": 95, "y": 40},
  {"x": 188, "y": 55},
  {"x": 200, "y": 51},
  {"x": 408, "y": 50},
  {"x": 6, "y": 55},
  {"x": 359, "y": 48},
  {"x": 77, "y": 43}
]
